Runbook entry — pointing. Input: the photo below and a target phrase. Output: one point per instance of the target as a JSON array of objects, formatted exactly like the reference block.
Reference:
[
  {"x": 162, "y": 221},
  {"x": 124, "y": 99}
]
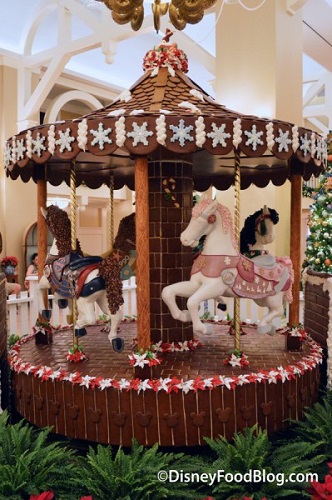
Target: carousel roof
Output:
[{"x": 165, "y": 115}]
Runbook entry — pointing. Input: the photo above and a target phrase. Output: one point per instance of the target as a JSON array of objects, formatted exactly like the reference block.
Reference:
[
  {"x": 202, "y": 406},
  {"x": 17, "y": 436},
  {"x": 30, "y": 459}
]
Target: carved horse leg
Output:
[
  {"x": 181, "y": 289},
  {"x": 208, "y": 290},
  {"x": 275, "y": 306},
  {"x": 42, "y": 286}
]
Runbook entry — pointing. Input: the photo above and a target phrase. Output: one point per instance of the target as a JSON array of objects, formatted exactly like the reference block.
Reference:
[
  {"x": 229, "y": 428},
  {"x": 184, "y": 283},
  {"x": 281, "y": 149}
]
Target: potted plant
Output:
[{"x": 9, "y": 264}]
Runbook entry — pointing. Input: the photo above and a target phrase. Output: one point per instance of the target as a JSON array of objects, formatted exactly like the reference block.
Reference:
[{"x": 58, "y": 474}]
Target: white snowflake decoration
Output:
[
  {"x": 218, "y": 135},
  {"x": 101, "y": 136},
  {"x": 181, "y": 133},
  {"x": 7, "y": 156},
  {"x": 20, "y": 149},
  {"x": 305, "y": 144},
  {"x": 64, "y": 140},
  {"x": 38, "y": 144},
  {"x": 253, "y": 137},
  {"x": 283, "y": 140},
  {"x": 140, "y": 134},
  {"x": 320, "y": 149}
]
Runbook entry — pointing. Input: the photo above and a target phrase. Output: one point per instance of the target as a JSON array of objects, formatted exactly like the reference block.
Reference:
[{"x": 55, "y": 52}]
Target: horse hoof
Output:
[
  {"x": 80, "y": 332},
  {"x": 265, "y": 329},
  {"x": 222, "y": 307},
  {"x": 46, "y": 314},
  {"x": 62, "y": 303},
  {"x": 118, "y": 344}
]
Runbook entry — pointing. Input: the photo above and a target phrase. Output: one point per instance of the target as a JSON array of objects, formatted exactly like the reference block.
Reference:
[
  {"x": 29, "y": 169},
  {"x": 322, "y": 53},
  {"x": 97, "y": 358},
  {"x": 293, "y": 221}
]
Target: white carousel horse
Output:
[
  {"x": 221, "y": 271},
  {"x": 89, "y": 280}
]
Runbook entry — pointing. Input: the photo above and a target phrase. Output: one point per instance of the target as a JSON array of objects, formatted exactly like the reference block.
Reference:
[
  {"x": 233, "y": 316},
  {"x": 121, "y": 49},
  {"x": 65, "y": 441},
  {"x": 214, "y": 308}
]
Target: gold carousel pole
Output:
[
  {"x": 237, "y": 189},
  {"x": 111, "y": 211},
  {"x": 73, "y": 234}
]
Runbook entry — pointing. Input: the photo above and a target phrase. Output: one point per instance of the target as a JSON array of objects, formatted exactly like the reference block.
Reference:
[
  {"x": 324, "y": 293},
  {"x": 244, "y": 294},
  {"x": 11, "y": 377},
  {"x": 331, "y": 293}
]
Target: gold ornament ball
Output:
[
  {"x": 325, "y": 223},
  {"x": 317, "y": 261}
]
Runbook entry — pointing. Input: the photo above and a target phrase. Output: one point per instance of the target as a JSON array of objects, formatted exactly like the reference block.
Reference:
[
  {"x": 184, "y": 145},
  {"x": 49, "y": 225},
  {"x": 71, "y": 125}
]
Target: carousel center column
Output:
[{"x": 170, "y": 205}]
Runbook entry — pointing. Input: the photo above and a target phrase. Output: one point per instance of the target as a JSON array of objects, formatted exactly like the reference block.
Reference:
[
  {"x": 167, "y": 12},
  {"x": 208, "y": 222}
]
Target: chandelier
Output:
[{"x": 180, "y": 12}]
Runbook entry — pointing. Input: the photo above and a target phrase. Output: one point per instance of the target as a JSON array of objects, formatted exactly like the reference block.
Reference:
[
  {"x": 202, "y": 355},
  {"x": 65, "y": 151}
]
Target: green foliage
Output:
[
  {"x": 317, "y": 427},
  {"x": 29, "y": 464},
  {"x": 13, "y": 339},
  {"x": 134, "y": 475},
  {"x": 253, "y": 451},
  {"x": 319, "y": 240}
]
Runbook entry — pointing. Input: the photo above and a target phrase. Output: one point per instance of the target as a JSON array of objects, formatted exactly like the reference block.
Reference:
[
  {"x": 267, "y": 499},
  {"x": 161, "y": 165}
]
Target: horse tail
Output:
[{"x": 110, "y": 270}]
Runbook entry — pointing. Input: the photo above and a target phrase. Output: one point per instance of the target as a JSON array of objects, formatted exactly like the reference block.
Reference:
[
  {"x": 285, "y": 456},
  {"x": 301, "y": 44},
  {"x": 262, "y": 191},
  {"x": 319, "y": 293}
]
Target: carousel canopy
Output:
[{"x": 165, "y": 116}]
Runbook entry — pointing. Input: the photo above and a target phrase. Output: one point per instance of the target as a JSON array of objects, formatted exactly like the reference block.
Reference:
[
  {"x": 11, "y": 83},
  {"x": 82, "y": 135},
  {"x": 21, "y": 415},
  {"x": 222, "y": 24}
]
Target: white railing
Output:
[{"x": 22, "y": 312}]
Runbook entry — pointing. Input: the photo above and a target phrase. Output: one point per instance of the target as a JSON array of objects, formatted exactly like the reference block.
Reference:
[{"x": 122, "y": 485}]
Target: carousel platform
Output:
[{"x": 190, "y": 395}]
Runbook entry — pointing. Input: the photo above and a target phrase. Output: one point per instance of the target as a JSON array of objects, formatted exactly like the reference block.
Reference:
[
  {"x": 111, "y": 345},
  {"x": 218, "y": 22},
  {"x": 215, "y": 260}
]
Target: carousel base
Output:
[{"x": 190, "y": 395}]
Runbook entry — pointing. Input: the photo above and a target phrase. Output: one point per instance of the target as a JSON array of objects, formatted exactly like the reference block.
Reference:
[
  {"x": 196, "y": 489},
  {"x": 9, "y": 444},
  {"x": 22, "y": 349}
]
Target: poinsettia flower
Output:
[
  {"x": 143, "y": 385},
  {"x": 105, "y": 383},
  {"x": 174, "y": 385},
  {"x": 46, "y": 495}
]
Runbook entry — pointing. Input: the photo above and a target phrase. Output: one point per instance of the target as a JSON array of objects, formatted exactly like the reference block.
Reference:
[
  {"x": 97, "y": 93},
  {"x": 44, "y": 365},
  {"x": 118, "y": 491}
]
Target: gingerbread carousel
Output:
[{"x": 163, "y": 378}]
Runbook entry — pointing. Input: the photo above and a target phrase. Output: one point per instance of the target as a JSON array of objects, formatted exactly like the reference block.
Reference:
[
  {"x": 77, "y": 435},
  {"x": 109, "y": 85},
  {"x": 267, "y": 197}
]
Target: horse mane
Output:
[
  {"x": 59, "y": 224},
  {"x": 110, "y": 268},
  {"x": 125, "y": 239},
  {"x": 247, "y": 234}
]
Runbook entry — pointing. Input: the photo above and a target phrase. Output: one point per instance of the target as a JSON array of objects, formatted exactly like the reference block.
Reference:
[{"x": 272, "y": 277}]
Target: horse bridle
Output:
[{"x": 258, "y": 221}]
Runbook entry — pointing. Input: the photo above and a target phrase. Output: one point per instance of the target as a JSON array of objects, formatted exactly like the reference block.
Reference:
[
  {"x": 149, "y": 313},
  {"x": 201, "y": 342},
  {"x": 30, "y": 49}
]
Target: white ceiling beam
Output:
[
  {"x": 73, "y": 47},
  {"x": 293, "y": 5}
]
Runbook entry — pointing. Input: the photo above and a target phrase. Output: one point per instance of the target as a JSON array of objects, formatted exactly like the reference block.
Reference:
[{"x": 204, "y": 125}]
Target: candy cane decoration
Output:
[{"x": 169, "y": 187}]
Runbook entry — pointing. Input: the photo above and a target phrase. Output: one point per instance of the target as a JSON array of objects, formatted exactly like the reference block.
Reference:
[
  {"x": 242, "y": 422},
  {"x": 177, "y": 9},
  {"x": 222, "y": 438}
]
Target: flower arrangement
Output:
[
  {"x": 9, "y": 261},
  {"x": 76, "y": 354},
  {"x": 141, "y": 358},
  {"x": 297, "y": 331},
  {"x": 43, "y": 327},
  {"x": 237, "y": 358}
]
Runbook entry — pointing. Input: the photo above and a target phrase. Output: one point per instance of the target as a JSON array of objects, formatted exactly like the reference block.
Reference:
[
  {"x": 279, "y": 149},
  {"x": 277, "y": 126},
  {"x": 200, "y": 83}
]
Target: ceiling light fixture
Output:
[{"x": 180, "y": 12}]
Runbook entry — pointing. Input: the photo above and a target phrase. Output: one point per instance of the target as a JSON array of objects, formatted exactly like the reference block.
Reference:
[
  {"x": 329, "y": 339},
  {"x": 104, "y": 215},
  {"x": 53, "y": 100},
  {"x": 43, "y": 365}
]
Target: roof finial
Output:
[{"x": 168, "y": 35}]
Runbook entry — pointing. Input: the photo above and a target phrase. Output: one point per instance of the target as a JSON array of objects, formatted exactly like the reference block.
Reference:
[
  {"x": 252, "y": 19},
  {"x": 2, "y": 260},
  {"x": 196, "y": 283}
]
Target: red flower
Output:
[{"x": 46, "y": 495}]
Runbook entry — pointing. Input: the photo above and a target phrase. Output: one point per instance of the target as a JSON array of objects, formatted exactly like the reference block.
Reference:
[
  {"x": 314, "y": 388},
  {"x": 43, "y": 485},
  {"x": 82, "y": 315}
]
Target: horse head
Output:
[{"x": 204, "y": 215}]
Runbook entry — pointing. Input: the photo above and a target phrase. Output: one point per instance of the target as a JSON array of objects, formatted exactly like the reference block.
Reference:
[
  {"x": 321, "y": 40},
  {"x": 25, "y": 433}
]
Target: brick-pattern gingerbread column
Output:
[{"x": 170, "y": 204}]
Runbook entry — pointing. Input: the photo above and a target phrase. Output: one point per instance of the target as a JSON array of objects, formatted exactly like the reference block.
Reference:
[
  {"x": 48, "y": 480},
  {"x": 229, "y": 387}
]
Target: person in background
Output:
[
  {"x": 32, "y": 269},
  {"x": 12, "y": 288}
]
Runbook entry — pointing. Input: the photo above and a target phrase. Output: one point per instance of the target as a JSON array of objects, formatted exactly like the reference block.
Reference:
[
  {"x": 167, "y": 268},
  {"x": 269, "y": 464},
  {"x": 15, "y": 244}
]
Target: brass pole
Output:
[
  {"x": 111, "y": 211},
  {"x": 73, "y": 234},
  {"x": 237, "y": 191}
]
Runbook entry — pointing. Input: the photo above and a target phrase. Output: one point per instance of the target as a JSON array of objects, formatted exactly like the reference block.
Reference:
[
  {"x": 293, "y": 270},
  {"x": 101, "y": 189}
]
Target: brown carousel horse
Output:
[{"x": 88, "y": 279}]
